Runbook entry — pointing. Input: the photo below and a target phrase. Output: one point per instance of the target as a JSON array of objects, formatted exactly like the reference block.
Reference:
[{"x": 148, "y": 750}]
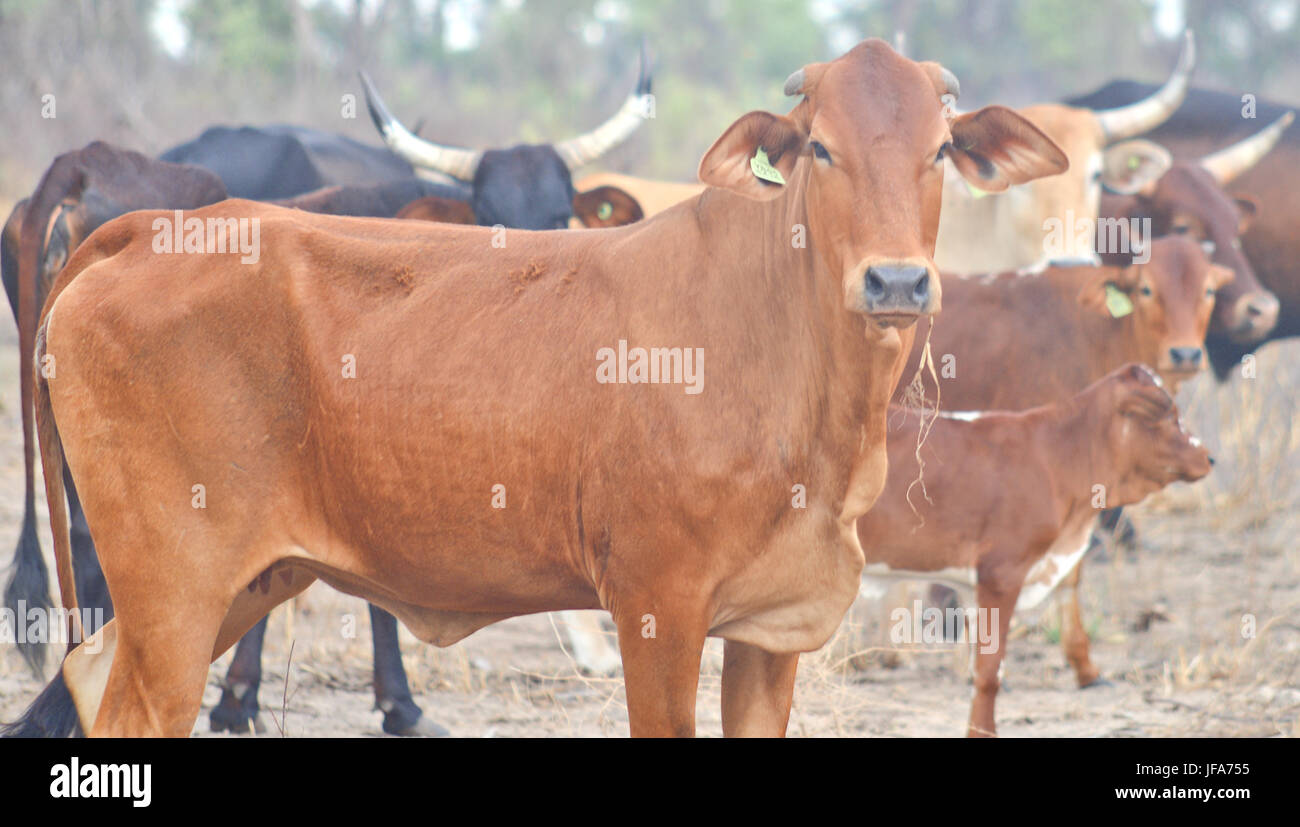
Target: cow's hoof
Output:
[
  {"x": 405, "y": 718},
  {"x": 1097, "y": 682},
  {"x": 237, "y": 715}
]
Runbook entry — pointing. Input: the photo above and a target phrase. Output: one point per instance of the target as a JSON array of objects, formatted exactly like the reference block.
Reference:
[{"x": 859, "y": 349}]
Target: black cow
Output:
[
  {"x": 529, "y": 186},
  {"x": 1206, "y": 122},
  {"x": 265, "y": 163}
]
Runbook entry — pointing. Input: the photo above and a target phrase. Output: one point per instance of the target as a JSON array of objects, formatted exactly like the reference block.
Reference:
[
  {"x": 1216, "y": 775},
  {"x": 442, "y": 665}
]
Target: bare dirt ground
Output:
[{"x": 1167, "y": 624}]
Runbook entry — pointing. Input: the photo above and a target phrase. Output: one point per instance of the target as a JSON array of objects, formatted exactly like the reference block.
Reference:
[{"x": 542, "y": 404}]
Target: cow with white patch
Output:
[{"x": 1014, "y": 535}]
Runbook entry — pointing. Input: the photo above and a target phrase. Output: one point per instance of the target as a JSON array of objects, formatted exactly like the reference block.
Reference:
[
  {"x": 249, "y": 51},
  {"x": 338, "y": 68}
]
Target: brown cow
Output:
[
  {"x": 80, "y": 191},
  {"x": 1016, "y": 533},
  {"x": 1013, "y": 341},
  {"x": 473, "y": 380},
  {"x": 1189, "y": 200}
]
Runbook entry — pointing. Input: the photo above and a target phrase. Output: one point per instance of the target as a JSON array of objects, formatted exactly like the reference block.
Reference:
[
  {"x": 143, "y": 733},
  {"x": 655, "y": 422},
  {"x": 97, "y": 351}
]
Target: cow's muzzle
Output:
[
  {"x": 900, "y": 292},
  {"x": 1253, "y": 316}
]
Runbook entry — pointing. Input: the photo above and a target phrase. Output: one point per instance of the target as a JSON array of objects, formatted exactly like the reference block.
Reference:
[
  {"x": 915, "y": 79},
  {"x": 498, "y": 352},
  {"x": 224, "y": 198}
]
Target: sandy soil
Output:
[{"x": 1167, "y": 625}]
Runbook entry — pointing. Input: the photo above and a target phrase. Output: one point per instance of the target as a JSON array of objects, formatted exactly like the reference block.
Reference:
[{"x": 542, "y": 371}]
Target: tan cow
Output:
[
  {"x": 988, "y": 233},
  {"x": 462, "y": 432},
  {"x": 1009, "y": 499}
]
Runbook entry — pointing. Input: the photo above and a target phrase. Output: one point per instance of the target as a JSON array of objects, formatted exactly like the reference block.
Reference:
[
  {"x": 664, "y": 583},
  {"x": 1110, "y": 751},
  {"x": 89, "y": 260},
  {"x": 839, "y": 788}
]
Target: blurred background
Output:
[{"x": 148, "y": 74}]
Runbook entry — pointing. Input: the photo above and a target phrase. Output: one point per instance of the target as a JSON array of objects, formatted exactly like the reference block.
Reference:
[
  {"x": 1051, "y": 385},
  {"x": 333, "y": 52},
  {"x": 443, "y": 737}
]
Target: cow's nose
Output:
[
  {"x": 1185, "y": 357},
  {"x": 897, "y": 289}
]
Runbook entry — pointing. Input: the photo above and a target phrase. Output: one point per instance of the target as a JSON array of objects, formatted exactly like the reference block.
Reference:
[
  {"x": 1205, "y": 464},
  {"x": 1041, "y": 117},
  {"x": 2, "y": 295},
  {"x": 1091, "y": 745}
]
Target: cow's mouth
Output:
[{"x": 899, "y": 320}]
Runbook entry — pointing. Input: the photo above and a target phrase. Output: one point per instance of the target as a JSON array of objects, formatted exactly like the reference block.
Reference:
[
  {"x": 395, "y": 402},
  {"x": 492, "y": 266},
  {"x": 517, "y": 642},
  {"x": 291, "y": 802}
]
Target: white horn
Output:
[
  {"x": 1231, "y": 161},
  {"x": 454, "y": 161},
  {"x": 1150, "y": 112},
  {"x": 585, "y": 148}
]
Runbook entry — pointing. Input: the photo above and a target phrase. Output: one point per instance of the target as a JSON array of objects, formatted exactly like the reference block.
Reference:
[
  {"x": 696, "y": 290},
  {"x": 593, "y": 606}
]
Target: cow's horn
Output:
[
  {"x": 454, "y": 161},
  {"x": 1231, "y": 161},
  {"x": 1150, "y": 112},
  {"x": 589, "y": 146},
  {"x": 794, "y": 83},
  {"x": 950, "y": 83}
]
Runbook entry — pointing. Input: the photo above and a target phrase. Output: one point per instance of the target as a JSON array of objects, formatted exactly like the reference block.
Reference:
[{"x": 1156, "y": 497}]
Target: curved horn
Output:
[
  {"x": 794, "y": 83},
  {"x": 456, "y": 162},
  {"x": 950, "y": 82},
  {"x": 1231, "y": 161},
  {"x": 587, "y": 147},
  {"x": 1150, "y": 112}
]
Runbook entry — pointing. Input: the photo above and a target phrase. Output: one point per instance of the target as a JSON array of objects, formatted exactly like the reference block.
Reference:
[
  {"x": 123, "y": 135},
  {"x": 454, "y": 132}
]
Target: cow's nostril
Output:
[
  {"x": 875, "y": 284},
  {"x": 1211, "y": 460},
  {"x": 1190, "y": 356},
  {"x": 921, "y": 291}
]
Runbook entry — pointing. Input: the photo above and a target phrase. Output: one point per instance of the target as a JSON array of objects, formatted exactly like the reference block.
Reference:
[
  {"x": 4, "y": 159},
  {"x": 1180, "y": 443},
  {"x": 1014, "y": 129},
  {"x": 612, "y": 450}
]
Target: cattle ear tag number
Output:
[
  {"x": 1117, "y": 303},
  {"x": 762, "y": 168},
  {"x": 604, "y": 211}
]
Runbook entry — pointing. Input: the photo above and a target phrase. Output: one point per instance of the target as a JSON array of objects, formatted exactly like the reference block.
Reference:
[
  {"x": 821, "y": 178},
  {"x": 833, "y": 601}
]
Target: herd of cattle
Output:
[{"x": 412, "y": 412}]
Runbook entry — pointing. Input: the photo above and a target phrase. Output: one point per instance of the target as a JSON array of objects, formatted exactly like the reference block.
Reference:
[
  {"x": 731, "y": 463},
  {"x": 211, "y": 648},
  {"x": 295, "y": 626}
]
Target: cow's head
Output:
[
  {"x": 1189, "y": 200},
  {"x": 529, "y": 186},
  {"x": 1145, "y": 436},
  {"x": 1101, "y": 156},
  {"x": 864, "y": 150},
  {"x": 1165, "y": 303}
]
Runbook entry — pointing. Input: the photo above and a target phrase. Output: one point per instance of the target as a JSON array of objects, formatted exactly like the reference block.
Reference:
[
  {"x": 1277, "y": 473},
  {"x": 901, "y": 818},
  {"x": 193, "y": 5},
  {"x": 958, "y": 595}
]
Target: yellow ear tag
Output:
[
  {"x": 974, "y": 192},
  {"x": 604, "y": 211},
  {"x": 1134, "y": 162},
  {"x": 1117, "y": 303},
  {"x": 763, "y": 169}
]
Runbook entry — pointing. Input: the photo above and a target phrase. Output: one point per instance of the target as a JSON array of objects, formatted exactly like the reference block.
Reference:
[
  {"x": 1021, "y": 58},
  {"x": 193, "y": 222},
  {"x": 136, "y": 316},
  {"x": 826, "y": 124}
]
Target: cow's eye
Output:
[
  {"x": 1181, "y": 229},
  {"x": 942, "y": 153},
  {"x": 820, "y": 152},
  {"x": 1209, "y": 292},
  {"x": 1146, "y": 290}
]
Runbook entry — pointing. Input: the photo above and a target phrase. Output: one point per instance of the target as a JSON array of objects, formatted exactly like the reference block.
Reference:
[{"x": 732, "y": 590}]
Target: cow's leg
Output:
[
  {"x": 661, "y": 665},
  {"x": 238, "y": 710},
  {"x": 160, "y": 652},
  {"x": 591, "y": 649},
  {"x": 757, "y": 690},
  {"x": 1074, "y": 638},
  {"x": 92, "y": 590},
  {"x": 995, "y": 605},
  {"x": 1122, "y": 535},
  {"x": 392, "y": 691}
]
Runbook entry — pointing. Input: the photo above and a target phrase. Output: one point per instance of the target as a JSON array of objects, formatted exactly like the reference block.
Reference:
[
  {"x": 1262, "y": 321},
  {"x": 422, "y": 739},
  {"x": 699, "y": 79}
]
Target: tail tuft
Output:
[
  {"x": 51, "y": 715},
  {"x": 29, "y": 587}
]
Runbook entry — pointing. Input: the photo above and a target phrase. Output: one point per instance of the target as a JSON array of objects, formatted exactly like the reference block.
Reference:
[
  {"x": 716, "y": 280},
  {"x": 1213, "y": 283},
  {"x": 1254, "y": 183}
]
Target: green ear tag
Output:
[
  {"x": 762, "y": 168},
  {"x": 1117, "y": 303},
  {"x": 975, "y": 193},
  {"x": 605, "y": 210}
]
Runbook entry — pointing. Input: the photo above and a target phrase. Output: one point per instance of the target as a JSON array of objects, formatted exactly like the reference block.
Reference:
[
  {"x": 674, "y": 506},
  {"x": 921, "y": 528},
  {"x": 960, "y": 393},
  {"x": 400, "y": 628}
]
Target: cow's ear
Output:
[
  {"x": 1220, "y": 275},
  {"x": 606, "y": 207},
  {"x": 1247, "y": 209},
  {"x": 436, "y": 208},
  {"x": 754, "y": 156},
  {"x": 994, "y": 148},
  {"x": 1109, "y": 292},
  {"x": 1134, "y": 167}
]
